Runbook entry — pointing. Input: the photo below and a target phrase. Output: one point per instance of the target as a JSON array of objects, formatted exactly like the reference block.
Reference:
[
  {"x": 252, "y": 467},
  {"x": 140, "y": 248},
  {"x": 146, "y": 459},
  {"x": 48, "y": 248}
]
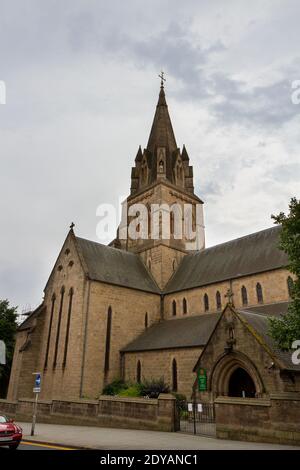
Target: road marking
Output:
[{"x": 50, "y": 446}]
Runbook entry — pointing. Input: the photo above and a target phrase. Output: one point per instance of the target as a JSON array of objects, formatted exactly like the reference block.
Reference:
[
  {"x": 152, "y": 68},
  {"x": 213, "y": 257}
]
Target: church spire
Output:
[
  {"x": 162, "y": 160},
  {"x": 162, "y": 134}
]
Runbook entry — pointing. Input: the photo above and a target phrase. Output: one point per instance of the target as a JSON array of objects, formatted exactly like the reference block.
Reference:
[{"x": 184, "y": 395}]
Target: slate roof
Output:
[
  {"x": 261, "y": 325},
  {"x": 186, "y": 332},
  {"x": 275, "y": 310},
  {"x": 254, "y": 253},
  {"x": 119, "y": 267},
  {"x": 196, "y": 330}
]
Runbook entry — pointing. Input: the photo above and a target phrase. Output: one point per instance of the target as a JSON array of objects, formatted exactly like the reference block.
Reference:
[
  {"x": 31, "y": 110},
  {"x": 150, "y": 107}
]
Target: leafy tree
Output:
[
  {"x": 8, "y": 327},
  {"x": 286, "y": 329}
]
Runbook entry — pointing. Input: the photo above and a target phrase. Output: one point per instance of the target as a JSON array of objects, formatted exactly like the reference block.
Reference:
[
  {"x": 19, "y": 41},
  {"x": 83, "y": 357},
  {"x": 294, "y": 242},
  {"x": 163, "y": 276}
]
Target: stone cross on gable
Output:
[{"x": 229, "y": 295}]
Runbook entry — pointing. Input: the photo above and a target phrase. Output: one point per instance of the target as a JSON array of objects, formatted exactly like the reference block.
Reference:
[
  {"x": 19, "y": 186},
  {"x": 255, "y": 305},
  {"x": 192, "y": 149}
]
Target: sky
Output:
[{"x": 81, "y": 80}]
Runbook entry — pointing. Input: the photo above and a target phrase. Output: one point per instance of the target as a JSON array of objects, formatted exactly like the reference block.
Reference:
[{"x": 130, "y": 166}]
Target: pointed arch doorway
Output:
[{"x": 241, "y": 384}]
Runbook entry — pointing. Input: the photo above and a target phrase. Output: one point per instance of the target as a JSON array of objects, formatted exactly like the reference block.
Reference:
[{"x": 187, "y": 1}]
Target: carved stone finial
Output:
[{"x": 229, "y": 295}]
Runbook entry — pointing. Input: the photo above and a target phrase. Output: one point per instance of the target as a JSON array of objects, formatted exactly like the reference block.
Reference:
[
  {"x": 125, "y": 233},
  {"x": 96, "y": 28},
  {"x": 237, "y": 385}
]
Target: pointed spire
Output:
[
  {"x": 162, "y": 134},
  {"x": 139, "y": 155},
  {"x": 184, "y": 154}
]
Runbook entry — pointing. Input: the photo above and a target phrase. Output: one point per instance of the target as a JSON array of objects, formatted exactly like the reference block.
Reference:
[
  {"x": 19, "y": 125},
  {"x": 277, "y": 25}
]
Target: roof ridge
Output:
[
  {"x": 107, "y": 246},
  {"x": 278, "y": 227}
]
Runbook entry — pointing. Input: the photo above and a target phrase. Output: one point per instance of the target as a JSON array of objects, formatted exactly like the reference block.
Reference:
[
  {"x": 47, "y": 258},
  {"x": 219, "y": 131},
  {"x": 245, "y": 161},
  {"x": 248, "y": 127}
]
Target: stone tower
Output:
[{"x": 161, "y": 196}]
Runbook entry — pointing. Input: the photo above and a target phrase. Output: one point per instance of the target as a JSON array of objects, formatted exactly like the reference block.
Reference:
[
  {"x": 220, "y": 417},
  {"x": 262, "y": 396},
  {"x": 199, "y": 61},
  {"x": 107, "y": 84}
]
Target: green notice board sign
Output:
[{"x": 202, "y": 380}]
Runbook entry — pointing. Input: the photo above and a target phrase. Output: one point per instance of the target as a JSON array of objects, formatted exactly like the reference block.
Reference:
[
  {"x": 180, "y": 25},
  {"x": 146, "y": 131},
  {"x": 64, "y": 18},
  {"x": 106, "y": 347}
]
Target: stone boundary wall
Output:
[
  {"x": 131, "y": 413},
  {"x": 275, "y": 420}
]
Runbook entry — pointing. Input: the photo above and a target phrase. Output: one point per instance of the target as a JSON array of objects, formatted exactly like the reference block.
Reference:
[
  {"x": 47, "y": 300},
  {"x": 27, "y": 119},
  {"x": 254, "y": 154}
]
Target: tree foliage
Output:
[
  {"x": 8, "y": 327},
  {"x": 286, "y": 329}
]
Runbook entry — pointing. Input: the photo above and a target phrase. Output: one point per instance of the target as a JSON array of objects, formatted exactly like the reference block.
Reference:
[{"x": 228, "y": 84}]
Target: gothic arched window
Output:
[
  {"x": 138, "y": 372},
  {"x": 53, "y": 299},
  {"x": 259, "y": 293},
  {"x": 244, "y": 296},
  {"x": 174, "y": 376},
  {"x": 184, "y": 306},
  {"x": 206, "y": 302},
  {"x": 218, "y": 300},
  {"x": 71, "y": 293},
  {"x": 174, "y": 308},
  {"x": 108, "y": 337},
  {"x": 290, "y": 285},
  {"x": 62, "y": 294},
  {"x": 146, "y": 320}
]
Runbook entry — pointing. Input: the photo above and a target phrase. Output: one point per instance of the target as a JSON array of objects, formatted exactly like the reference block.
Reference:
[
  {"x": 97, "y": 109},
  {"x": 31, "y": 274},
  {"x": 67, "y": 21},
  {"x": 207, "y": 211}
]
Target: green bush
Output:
[
  {"x": 149, "y": 388},
  {"x": 152, "y": 388},
  {"x": 133, "y": 390},
  {"x": 115, "y": 387}
]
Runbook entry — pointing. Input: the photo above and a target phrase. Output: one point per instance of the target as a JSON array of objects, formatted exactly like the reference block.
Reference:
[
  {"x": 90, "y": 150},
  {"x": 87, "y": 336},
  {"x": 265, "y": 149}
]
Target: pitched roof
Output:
[
  {"x": 186, "y": 332},
  {"x": 254, "y": 253},
  {"x": 275, "y": 310},
  {"x": 259, "y": 322},
  {"x": 113, "y": 266}
]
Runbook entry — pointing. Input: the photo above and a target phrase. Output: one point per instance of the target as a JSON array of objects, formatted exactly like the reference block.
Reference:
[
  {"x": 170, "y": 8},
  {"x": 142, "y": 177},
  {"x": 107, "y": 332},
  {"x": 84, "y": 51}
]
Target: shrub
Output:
[
  {"x": 115, "y": 387},
  {"x": 152, "y": 388},
  {"x": 133, "y": 390}
]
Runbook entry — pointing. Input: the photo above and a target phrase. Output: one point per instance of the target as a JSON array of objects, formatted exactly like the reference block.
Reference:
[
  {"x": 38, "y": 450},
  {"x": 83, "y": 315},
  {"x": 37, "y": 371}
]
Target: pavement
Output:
[{"x": 127, "y": 439}]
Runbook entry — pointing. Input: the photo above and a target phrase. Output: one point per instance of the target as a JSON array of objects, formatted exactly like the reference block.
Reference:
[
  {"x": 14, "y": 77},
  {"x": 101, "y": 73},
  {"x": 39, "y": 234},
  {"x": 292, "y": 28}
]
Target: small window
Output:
[
  {"x": 59, "y": 268},
  {"x": 259, "y": 293},
  {"x": 174, "y": 308},
  {"x": 71, "y": 263},
  {"x": 218, "y": 300},
  {"x": 67, "y": 251},
  {"x": 290, "y": 285},
  {"x": 244, "y": 296},
  {"x": 146, "y": 320},
  {"x": 206, "y": 303},
  {"x": 184, "y": 306}
]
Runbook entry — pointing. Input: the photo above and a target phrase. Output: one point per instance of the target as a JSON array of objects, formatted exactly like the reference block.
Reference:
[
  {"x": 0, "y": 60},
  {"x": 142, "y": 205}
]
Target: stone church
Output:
[{"x": 151, "y": 308}]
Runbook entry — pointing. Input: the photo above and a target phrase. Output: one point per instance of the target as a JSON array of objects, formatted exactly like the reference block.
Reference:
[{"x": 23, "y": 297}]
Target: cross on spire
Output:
[{"x": 162, "y": 78}]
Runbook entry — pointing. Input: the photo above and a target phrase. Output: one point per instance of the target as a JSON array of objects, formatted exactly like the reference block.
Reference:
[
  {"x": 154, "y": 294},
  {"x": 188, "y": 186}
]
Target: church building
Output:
[{"x": 152, "y": 307}]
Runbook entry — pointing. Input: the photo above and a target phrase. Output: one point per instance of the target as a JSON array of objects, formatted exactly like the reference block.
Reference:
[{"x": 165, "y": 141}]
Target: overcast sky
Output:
[{"x": 82, "y": 85}]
